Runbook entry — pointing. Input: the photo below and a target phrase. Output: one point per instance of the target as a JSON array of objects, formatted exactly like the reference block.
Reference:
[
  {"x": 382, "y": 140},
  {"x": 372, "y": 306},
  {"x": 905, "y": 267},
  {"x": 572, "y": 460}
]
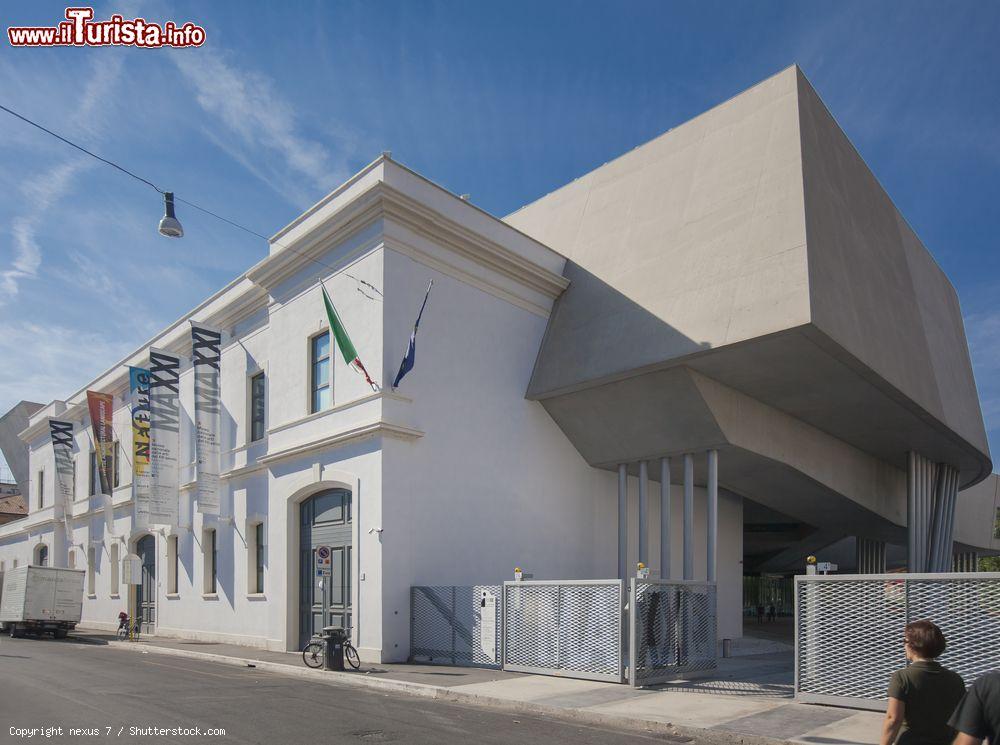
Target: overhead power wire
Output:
[{"x": 198, "y": 207}]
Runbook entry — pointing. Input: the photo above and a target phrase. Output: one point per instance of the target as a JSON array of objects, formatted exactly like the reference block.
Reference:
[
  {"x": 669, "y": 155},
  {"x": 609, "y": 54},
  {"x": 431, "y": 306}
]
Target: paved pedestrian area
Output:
[{"x": 750, "y": 695}]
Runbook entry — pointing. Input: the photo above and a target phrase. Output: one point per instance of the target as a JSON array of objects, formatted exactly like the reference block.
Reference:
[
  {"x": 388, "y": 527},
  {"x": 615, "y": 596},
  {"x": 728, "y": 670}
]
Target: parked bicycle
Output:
[
  {"x": 314, "y": 654},
  {"x": 128, "y": 628}
]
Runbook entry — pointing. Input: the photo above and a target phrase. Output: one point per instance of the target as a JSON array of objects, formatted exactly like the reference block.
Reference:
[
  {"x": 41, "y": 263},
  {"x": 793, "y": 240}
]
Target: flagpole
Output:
[{"x": 332, "y": 311}]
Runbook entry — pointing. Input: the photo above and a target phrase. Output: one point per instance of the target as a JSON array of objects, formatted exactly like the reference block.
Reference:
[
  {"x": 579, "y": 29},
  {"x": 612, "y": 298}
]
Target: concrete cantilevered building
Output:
[{"x": 736, "y": 305}]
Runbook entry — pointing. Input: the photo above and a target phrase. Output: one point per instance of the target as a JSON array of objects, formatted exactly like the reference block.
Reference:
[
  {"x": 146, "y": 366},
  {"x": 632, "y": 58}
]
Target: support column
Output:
[
  {"x": 688, "y": 516},
  {"x": 665, "y": 518},
  {"x": 644, "y": 512},
  {"x": 623, "y": 521},
  {"x": 712, "y": 514},
  {"x": 911, "y": 512},
  {"x": 870, "y": 555}
]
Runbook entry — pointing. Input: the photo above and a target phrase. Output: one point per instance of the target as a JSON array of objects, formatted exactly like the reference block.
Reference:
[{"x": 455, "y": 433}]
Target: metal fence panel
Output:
[
  {"x": 446, "y": 625},
  {"x": 672, "y": 629},
  {"x": 571, "y": 628},
  {"x": 849, "y": 630}
]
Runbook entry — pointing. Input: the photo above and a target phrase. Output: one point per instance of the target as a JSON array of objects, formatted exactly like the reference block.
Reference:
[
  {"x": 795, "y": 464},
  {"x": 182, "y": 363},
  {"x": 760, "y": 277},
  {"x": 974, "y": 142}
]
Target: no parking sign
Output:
[{"x": 324, "y": 561}]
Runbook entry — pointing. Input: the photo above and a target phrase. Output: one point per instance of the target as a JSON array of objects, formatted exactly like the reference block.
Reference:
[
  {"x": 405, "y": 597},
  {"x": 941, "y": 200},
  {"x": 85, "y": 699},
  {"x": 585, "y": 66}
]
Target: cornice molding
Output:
[{"x": 381, "y": 201}]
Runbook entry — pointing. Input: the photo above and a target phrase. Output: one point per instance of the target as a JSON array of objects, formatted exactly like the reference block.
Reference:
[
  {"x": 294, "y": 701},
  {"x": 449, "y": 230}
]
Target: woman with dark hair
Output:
[{"x": 923, "y": 695}]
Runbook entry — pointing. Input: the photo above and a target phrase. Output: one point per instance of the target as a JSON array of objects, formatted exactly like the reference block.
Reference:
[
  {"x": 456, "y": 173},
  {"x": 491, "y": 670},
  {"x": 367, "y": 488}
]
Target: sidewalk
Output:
[{"x": 749, "y": 700}]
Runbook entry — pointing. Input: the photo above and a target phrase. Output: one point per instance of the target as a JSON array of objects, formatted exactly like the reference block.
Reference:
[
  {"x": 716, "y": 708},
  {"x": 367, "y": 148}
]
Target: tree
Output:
[{"x": 989, "y": 564}]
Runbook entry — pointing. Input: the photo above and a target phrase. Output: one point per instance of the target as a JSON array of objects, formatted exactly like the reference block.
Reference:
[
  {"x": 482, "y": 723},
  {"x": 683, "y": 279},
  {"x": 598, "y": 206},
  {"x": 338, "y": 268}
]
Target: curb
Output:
[{"x": 678, "y": 734}]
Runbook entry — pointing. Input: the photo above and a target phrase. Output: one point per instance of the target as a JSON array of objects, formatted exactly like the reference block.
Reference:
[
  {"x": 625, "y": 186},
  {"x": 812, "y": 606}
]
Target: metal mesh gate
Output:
[
  {"x": 564, "y": 628},
  {"x": 849, "y": 630},
  {"x": 672, "y": 629},
  {"x": 456, "y": 624}
]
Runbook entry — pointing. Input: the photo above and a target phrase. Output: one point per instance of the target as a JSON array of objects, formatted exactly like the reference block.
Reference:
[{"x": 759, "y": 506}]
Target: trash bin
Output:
[{"x": 335, "y": 638}]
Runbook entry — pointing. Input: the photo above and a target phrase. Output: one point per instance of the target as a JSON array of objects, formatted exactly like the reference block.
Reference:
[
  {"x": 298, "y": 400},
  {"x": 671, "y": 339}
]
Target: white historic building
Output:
[{"x": 670, "y": 305}]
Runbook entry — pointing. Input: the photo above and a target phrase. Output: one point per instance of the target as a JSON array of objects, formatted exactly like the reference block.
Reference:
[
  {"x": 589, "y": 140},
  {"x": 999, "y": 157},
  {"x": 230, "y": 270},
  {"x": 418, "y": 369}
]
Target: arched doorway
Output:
[
  {"x": 41, "y": 556},
  {"x": 145, "y": 592},
  {"x": 324, "y": 520}
]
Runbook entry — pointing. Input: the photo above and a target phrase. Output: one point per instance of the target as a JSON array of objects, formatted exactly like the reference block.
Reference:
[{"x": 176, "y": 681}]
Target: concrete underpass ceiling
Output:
[{"x": 667, "y": 413}]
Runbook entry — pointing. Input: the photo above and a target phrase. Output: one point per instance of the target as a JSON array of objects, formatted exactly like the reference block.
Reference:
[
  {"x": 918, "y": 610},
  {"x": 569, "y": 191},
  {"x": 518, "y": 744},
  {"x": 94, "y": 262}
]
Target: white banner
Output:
[
  {"x": 62, "y": 449},
  {"x": 164, "y": 436},
  {"x": 206, "y": 356}
]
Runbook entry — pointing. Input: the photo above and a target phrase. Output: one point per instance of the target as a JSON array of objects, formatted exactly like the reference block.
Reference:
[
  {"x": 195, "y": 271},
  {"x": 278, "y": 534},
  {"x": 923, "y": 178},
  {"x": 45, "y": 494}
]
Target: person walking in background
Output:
[
  {"x": 977, "y": 717},
  {"x": 923, "y": 695}
]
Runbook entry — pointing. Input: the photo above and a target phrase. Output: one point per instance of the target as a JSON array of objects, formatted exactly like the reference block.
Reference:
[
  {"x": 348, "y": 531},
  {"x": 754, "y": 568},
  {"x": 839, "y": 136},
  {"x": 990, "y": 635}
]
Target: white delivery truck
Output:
[{"x": 41, "y": 600}]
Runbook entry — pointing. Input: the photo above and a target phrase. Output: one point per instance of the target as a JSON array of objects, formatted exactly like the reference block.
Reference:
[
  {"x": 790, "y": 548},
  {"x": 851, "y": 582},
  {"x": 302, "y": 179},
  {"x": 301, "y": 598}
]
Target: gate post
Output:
[{"x": 629, "y": 617}]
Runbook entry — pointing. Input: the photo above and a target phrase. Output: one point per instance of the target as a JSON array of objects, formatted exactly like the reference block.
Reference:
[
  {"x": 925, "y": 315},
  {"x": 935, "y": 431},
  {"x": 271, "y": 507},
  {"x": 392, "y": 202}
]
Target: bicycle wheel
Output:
[
  {"x": 313, "y": 654},
  {"x": 351, "y": 655}
]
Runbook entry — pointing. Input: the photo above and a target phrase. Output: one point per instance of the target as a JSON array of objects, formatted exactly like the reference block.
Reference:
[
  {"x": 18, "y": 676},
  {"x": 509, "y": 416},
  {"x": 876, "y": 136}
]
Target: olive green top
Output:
[{"x": 930, "y": 693}]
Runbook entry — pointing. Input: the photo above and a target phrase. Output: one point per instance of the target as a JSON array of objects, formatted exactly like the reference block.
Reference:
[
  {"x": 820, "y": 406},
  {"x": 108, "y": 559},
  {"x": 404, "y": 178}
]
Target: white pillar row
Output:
[
  {"x": 712, "y": 514},
  {"x": 688, "y": 516},
  {"x": 623, "y": 572},
  {"x": 644, "y": 512},
  {"x": 665, "y": 521}
]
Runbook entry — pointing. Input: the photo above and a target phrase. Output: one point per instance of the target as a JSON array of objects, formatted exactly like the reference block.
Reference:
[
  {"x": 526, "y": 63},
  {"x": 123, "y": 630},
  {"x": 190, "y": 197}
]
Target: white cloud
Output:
[
  {"x": 51, "y": 361},
  {"x": 42, "y": 191},
  {"x": 261, "y": 130}
]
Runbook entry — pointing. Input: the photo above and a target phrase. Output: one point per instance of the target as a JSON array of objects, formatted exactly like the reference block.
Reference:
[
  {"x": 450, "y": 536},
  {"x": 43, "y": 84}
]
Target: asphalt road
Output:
[{"x": 46, "y": 683}]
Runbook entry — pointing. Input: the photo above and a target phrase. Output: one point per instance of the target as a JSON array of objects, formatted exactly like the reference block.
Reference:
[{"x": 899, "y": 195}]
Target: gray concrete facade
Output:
[{"x": 743, "y": 283}]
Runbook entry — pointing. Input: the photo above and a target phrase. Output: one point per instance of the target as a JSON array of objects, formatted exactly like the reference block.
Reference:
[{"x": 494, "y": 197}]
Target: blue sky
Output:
[{"x": 503, "y": 100}]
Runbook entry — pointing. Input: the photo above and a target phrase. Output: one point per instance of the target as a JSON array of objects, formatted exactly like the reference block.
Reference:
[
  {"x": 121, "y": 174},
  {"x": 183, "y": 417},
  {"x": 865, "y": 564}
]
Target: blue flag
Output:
[{"x": 411, "y": 351}]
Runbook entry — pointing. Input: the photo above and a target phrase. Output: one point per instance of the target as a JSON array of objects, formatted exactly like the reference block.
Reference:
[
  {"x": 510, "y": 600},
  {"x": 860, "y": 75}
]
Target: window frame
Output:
[
  {"x": 91, "y": 570},
  {"x": 256, "y": 556},
  {"x": 252, "y": 414},
  {"x": 116, "y": 464},
  {"x": 41, "y": 488},
  {"x": 92, "y": 474},
  {"x": 313, "y": 362},
  {"x": 173, "y": 549},
  {"x": 210, "y": 561},
  {"x": 115, "y": 562}
]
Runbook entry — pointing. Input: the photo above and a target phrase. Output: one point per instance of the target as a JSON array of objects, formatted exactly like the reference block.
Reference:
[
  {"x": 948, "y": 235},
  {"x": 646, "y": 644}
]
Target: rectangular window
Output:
[
  {"x": 259, "y": 556},
  {"x": 115, "y": 571},
  {"x": 257, "y": 405},
  {"x": 15, "y": 563},
  {"x": 320, "y": 367},
  {"x": 41, "y": 489},
  {"x": 210, "y": 562},
  {"x": 115, "y": 458},
  {"x": 92, "y": 474},
  {"x": 172, "y": 565},
  {"x": 91, "y": 571}
]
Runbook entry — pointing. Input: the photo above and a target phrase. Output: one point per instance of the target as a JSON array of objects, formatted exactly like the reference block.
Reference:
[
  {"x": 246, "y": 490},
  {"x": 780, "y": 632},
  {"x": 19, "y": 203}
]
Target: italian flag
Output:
[{"x": 344, "y": 341}]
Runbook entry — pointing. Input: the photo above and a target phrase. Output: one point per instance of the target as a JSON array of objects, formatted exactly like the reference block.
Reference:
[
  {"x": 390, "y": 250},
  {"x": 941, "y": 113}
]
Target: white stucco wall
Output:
[
  {"x": 494, "y": 483},
  {"x": 456, "y": 478}
]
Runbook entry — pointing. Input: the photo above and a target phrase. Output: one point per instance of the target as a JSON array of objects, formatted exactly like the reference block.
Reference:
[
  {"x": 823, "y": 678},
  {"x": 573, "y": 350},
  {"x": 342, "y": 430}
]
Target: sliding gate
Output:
[
  {"x": 572, "y": 629},
  {"x": 672, "y": 629},
  {"x": 577, "y": 629},
  {"x": 849, "y": 630}
]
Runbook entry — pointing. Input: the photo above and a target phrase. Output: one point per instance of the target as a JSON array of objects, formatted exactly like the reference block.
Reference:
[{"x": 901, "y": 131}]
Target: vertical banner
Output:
[
  {"x": 164, "y": 436},
  {"x": 206, "y": 355},
  {"x": 139, "y": 387},
  {"x": 62, "y": 449},
  {"x": 101, "y": 407}
]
